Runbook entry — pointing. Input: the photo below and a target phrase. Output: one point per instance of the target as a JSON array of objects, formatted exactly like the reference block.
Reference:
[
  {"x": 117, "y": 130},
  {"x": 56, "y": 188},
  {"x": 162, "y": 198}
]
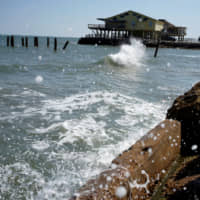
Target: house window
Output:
[
  {"x": 150, "y": 23},
  {"x": 133, "y": 23}
]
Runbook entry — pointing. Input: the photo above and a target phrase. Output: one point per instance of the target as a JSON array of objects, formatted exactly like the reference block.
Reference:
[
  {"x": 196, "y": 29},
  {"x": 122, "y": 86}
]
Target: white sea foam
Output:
[
  {"x": 134, "y": 184},
  {"x": 29, "y": 92},
  {"x": 83, "y": 101},
  {"x": 103, "y": 117},
  {"x": 88, "y": 129},
  {"x": 40, "y": 145},
  {"x": 19, "y": 173},
  {"x": 129, "y": 55}
]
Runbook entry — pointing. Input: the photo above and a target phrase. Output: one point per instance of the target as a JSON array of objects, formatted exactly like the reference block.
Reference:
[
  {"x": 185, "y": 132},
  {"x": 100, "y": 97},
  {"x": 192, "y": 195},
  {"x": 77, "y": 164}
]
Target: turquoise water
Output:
[{"x": 65, "y": 115}]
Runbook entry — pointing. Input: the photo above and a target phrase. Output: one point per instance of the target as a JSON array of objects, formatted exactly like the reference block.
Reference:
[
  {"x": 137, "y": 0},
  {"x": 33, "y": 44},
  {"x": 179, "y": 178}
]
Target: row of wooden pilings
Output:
[{"x": 10, "y": 41}]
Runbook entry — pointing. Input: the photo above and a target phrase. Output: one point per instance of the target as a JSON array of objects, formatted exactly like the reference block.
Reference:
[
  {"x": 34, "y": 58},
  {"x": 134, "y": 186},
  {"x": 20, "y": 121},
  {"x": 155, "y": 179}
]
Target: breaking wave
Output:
[{"x": 129, "y": 55}]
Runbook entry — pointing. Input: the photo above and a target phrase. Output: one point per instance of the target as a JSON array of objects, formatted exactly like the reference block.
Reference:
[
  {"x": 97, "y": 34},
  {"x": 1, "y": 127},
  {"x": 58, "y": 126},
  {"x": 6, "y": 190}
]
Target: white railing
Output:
[{"x": 95, "y": 26}]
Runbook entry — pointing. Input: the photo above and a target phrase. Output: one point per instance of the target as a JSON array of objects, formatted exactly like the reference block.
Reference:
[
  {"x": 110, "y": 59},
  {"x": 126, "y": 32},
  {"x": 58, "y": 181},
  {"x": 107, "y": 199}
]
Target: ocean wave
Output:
[
  {"x": 96, "y": 109},
  {"x": 128, "y": 55},
  {"x": 77, "y": 147},
  {"x": 13, "y": 68}
]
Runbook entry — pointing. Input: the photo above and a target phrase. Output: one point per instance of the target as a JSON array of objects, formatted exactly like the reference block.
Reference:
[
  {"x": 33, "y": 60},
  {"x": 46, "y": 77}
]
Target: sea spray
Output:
[
  {"x": 45, "y": 149},
  {"x": 129, "y": 55}
]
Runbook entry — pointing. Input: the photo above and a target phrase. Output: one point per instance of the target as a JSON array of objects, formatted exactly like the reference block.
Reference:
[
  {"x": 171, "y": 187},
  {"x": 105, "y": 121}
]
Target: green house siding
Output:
[
  {"x": 133, "y": 24},
  {"x": 133, "y": 21}
]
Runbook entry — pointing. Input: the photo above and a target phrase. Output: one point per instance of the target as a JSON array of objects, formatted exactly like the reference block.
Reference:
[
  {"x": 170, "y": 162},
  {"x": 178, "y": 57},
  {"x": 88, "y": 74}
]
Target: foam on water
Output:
[
  {"x": 55, "y": 136},
  {"x": 40, "y": 145},
  {"x": 129, "y": 55},
  {"x": 101, "y": 142},
  {"x": 92, "y": 125},
  {"x": 28, "y": 92},
  {"x": 14, "y": 180},
  {"x": 107, "y": 124}
]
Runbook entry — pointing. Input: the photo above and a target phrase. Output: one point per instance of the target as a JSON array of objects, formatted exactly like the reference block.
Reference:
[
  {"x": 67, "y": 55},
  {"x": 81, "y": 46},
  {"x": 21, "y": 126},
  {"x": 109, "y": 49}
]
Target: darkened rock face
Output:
[
  {"x": 186, "y": 109},
  {"x": 190, "y": 191}
]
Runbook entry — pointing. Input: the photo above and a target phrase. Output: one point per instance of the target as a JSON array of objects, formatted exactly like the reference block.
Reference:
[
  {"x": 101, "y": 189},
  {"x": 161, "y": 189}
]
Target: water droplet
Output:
[
  {"x": 38, "y": 79},
  {"x": 39, "y": 58},
  {"x": 162, "y": 125},
  {"x": 194, "y": 147},
  {"x": 108, "y": 178},
  {"x": 120, "y": 192}
]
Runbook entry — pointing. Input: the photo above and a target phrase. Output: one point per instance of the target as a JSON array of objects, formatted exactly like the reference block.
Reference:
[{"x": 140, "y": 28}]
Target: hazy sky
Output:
[{"x": 71, "y": 17}]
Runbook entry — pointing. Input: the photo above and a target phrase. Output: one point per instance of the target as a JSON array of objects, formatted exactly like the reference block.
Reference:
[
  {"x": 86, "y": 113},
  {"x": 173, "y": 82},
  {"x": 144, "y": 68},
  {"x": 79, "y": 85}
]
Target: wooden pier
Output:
[
  {"x": 148, "y": 43},
  {"x": 23, "y": 41},
  {"x": 172, "y": 44}
]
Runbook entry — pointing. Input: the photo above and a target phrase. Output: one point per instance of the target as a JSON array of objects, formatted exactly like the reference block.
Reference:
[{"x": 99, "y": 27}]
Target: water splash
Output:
[
  {"x": 134, "y": 183},
  {"x": 129, "y": 55}
]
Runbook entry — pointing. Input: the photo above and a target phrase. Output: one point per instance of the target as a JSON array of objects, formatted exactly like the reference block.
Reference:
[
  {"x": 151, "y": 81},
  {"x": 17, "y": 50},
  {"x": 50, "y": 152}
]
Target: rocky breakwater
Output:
[
  {"x": 137, "y": 172},
  {"x": 164, "y": 164},
  {"x": 185, "y": 182}
]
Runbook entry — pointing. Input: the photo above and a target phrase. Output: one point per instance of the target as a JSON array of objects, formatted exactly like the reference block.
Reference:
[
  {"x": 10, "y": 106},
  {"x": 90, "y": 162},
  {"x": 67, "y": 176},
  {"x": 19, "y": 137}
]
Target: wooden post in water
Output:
[
  {"x": 66, "y": 43},
  {"x": 8, "y": 41},
  {"x": 22, "y": 39},
  {"x": 47, "y": 42},
  {"x": 157, "y": 47},
  {"x": 55, "y": 44},
  {"x": 158, "y": 42},
  {"x": 26, "y": 42},
  {"x": 35, "y": 41},
  {"x": 12, "y": 42}
]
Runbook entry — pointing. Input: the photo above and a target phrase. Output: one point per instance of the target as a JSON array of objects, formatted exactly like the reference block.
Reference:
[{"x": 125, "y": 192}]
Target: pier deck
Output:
[{"x": 147, "y": 43}]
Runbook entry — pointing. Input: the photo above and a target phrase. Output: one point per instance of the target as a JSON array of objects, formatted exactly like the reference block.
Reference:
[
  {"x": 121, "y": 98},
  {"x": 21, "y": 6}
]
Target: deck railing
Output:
[
  {"x": 96, "y": 26},
  {"x": 102, "y": 36}
]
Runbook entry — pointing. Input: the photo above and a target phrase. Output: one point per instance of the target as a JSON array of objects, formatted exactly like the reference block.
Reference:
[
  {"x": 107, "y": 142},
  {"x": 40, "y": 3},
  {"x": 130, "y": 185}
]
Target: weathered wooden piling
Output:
[
  {"x": 55, "y": 44},
  {"x": 65, "y": 45},
  {"x": 22, "y": 40},
  {"x": 35, "y": 41},
  {"x": 26, "y": 42},
  {"x": 12, "y": 42},
  {"x": 156, "y": 50},
  {"x": 157, "y": 47},
  {"x": 8, "y": 41},
  {"x": 47, "y": 42}
]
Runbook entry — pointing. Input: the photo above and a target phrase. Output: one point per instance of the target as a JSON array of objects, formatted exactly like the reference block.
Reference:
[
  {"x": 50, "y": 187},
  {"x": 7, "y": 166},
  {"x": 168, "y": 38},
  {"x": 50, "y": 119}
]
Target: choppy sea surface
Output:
[{"x": 65, "y": 115}]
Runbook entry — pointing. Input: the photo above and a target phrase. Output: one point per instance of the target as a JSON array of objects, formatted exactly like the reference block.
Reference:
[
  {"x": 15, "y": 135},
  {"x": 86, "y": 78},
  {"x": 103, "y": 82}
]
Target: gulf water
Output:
[{"x": 65, "y": 115}]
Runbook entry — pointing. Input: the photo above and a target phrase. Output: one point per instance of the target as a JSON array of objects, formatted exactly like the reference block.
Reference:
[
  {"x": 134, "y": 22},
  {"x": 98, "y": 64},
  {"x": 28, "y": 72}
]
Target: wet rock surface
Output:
[
  {"x": 190, "y": 191},
  {"x": 186, "y": 109},
  {"x": 185, "y": 182},
  {"x": 137, "y": 172}
]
